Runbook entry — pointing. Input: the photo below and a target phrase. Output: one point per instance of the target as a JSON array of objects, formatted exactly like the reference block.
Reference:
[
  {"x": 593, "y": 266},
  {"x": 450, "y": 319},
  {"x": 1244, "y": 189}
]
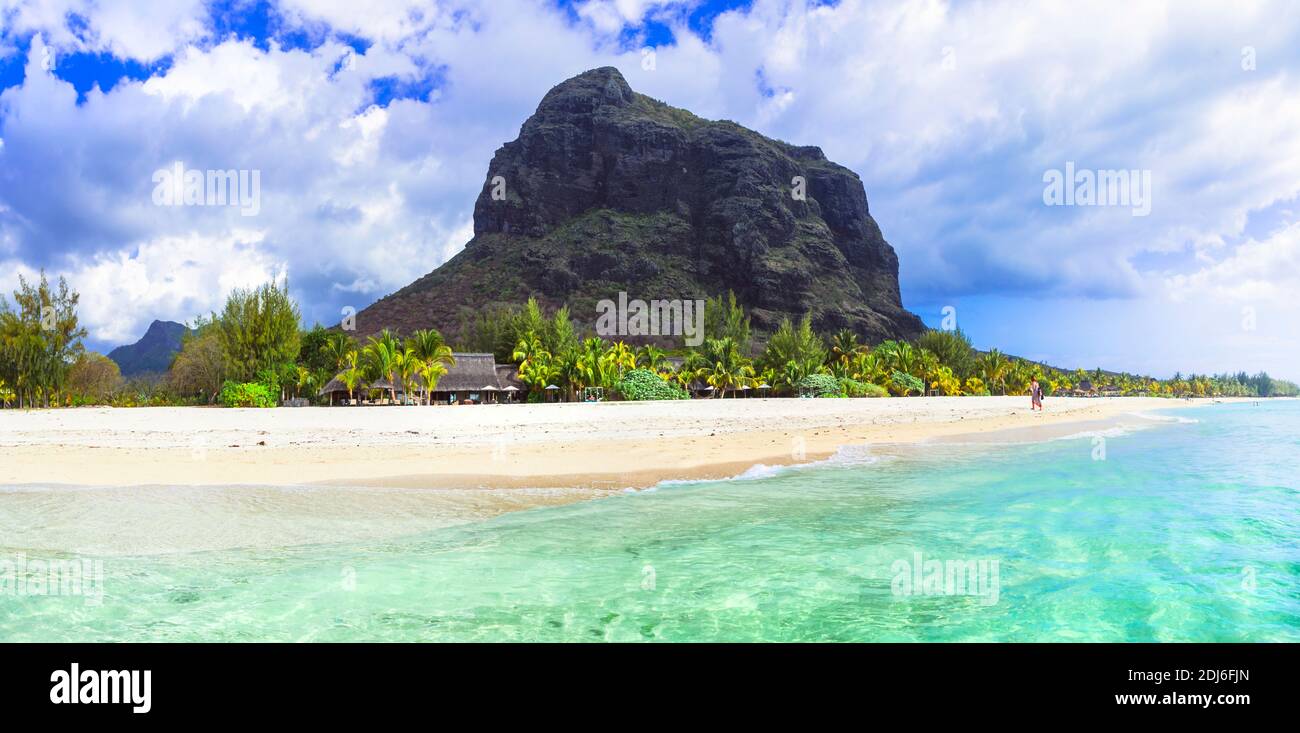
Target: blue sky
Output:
[{"x": 372, "y": 129}]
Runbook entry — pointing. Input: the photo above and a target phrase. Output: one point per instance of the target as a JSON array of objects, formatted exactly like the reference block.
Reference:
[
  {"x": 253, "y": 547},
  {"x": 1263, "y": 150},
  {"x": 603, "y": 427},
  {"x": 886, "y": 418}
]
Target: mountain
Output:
[
  {"x": 608, "y": 190},
  {"x": 153, "y": 352}
]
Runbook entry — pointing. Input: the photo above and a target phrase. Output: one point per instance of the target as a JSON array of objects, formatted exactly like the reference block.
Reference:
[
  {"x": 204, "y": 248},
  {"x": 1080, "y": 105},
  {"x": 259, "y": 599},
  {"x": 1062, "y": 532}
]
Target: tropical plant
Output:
[
  {"x": 953, "y": 349},
  {"x": 382, "y": 360},
  {"x": 653, "y": 358},
  {"x": 853, "y": 388},
  {"x": 353, "y": 373},
  {"x": 844, "y": 347},
  {"x": 335, "y": 349},
  {"x": 992, "y": 369},
  {"x": 794, "y": 352},
  {"x": 407, "y": 368},
  {"x": 820, "y": 385},
  {"x": 946, "y": 381},
  {"x": 897, "y": 356},
  {"x": 247, "y": 394},
  {"x": 903, "y": 384},
  {"x": 644, "y": 384},
  {"x": 721, "y": 366},
  {"x": 430, "y": 373}
]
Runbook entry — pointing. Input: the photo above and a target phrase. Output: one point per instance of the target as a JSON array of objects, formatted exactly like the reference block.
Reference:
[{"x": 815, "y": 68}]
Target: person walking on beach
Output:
[{"x": 1035, "y": 396}]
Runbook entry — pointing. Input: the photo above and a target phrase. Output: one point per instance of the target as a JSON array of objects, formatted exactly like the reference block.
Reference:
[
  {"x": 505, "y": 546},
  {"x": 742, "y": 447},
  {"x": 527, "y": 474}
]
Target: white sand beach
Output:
[{"x": 593, "y": 447}]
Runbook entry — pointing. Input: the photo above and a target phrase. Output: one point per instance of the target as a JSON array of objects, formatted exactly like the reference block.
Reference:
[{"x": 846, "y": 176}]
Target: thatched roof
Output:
[
  {"x": 508, "y": 376},
  {"x": 337, "y": 385},
  {"x": 470, "y": 373}
]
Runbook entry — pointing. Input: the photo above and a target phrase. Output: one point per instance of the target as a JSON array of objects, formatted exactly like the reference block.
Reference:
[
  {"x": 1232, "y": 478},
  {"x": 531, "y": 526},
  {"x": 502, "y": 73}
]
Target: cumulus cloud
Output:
[
  {"x": 141, "y": 30},
  {"x": 950, "y": 112}
]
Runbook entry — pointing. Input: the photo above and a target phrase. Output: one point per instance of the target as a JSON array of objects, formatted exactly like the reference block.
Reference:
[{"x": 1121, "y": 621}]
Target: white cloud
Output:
[
  {"x": 1258, "y": 272},
  {"x": 181, "y": 277},
  {"x": 949, "y": 111},
  {"x": 141, "y": 30}
]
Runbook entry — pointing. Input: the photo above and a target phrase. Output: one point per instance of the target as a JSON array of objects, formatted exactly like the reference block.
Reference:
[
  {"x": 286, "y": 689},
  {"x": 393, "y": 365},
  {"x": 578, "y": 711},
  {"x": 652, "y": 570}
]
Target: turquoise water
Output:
[{"x": 1187, "y": 531}]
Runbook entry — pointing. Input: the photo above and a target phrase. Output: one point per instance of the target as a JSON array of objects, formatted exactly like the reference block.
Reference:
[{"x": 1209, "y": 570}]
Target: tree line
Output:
[{"x": 256, "y": 353}]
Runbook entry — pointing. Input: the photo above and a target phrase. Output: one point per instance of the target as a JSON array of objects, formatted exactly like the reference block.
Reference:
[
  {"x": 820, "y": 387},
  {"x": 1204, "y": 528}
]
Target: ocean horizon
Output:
[{"x": 1185, "y": 530}]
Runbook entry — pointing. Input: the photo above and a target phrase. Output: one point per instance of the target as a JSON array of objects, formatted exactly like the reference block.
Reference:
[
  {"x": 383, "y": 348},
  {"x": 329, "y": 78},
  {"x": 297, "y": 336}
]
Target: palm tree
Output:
[
  {"x": 352, "y": 375},
  {"x": 844, "y": 344},
  {"x": 589, "y": 367},
  {"x": 408, "y": 365},
  {"x": 382, "y": 360},
  {"x": 431, "y": 372},
  {"x": 301, "y": 377},
  {"x": 652, "y": 357},
  {"x": 898, "y": 356},
  {"x": 723, "y": 366},
  {"x": 336, "y": 348},
  {"x": 537, "y": 367},
  {"x": 992, "y": 368},
  {"x": 429, "y": 347},
  {"x": 868, "y": 366},
  {"x": 6, "y": 394},
  {"x": 621, "y": 356}
]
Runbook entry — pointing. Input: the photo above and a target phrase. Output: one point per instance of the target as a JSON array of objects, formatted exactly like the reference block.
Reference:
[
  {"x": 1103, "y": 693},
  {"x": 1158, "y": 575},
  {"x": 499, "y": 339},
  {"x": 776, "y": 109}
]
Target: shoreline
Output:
[{"x": 597, "y": 448}]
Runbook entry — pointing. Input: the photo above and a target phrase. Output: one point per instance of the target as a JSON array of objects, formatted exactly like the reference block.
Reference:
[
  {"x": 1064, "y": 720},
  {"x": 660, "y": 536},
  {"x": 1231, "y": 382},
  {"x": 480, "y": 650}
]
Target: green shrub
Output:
[
  {"x": 854, "y": 388},
  {"x": 246, "y": 394},
  {"x": 821, "y": 385},
  {"x": 643, "y": 384},
  {"x": 904, "y": 384}
]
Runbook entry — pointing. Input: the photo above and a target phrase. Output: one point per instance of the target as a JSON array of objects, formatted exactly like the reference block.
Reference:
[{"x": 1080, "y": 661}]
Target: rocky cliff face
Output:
[{"x": 607, "y": 190}]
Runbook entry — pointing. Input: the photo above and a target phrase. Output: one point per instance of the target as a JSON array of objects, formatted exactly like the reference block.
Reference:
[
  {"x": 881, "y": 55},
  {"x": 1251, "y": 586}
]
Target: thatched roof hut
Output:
[
  {"x": 336, "y": 385},
  {"x": 508, "y": 376},
  {"x": 383, "y": 384},
  {"x": 470, "y": 373}
]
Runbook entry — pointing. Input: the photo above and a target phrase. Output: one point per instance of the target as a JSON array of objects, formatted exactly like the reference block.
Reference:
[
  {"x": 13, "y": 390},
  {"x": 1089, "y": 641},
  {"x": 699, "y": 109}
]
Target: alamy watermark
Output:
[
  {"x": 1084, "y": 187},
  {"x": 23, "y": 576},
  {"x": 176, "y": 186},
  {"x": 654, "y": 318},
  {"x": 976, "y": 577}
]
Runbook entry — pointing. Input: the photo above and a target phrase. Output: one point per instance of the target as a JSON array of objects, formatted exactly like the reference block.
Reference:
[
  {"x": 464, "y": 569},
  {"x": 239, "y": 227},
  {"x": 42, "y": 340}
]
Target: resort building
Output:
[{"x": 473, "y": 379}]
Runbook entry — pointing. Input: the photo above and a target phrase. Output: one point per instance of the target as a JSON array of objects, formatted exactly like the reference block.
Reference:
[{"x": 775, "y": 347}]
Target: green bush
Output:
[
  {"x": 821, "y": 385},
  {"x": 904, "y": 384},
  {"x": 643, "y": 384},
  {"x": 246, "y": 394},
  {"x": 854, "y": 388}
]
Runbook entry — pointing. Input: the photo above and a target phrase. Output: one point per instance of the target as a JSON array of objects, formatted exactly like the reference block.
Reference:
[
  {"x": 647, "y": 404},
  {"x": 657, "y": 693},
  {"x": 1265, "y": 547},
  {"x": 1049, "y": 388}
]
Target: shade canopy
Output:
[
  {"x": 488, "y": 388},
  {"x": 512, "y": 388},
  {"x": 551, "y": 386}
]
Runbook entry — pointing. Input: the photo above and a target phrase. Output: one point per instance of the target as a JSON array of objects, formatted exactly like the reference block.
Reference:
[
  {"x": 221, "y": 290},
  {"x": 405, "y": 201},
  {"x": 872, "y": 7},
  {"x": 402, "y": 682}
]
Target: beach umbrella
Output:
[
  {"x": 764, "y": 385},
  {"x": 512, "y": 388},
  {"x": 551, "y": 386}
]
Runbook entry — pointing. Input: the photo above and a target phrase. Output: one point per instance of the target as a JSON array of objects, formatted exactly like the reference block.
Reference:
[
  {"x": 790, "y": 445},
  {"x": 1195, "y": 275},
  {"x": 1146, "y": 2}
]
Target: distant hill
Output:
[{"x": 153, "y": 352}]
